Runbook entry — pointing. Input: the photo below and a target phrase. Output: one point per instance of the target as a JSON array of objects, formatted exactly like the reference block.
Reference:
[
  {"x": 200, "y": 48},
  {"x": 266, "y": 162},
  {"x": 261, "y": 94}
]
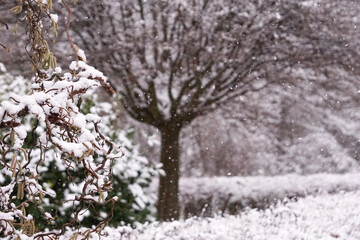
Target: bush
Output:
[
  {"x": 45, "y": 129},
  {"x": 131, "y": 174}
]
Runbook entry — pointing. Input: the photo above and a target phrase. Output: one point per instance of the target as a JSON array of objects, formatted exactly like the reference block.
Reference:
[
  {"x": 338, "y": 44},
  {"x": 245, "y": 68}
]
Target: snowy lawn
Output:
[
  {"x": 313, "y": 218},
  {"x": 205, "y": 196}
]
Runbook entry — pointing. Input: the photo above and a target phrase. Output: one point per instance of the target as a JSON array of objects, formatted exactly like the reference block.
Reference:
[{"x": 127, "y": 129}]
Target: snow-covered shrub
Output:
[
  {"x": 58, "y": 131},
  {"x": 208, "y": 196},
  {"x": 131, "y": 174}
]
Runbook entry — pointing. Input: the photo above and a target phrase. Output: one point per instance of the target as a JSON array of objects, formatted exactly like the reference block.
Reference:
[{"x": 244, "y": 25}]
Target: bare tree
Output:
[{"x": 173, "y": 62}]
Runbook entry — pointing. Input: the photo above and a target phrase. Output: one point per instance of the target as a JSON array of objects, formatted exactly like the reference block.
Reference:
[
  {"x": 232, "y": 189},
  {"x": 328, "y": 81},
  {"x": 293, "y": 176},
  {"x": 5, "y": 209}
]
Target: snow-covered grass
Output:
[
  {"x": 323, "y": 217},
  {"x": 205, "y": 196}
]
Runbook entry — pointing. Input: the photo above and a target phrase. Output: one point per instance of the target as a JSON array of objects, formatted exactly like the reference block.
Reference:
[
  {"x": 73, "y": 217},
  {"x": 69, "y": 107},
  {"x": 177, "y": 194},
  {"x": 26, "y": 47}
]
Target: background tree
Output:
[{"x": 173, "y": 62}]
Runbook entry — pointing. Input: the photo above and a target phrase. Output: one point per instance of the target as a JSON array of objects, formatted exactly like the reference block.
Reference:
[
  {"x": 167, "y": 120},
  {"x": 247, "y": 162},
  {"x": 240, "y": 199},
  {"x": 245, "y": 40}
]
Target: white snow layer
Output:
[
  {"x": 324, "y": 217},
  {"x": 205, "y": 196}
]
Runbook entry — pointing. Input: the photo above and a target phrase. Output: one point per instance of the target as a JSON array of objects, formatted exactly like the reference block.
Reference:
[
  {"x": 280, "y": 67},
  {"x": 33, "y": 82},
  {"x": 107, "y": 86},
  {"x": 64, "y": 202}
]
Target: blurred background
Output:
[
  {"x": 308, "y": 122},
  {"x": 301, "y": 114}
]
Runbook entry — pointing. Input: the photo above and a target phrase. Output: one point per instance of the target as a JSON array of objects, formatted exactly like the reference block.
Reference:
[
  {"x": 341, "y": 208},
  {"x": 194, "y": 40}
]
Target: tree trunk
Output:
[{"x": 168, "y": 202}]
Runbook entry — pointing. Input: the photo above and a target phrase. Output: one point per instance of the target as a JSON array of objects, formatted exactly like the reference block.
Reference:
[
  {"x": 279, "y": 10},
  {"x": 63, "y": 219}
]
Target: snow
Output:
[
  {"x": 81, "y": 54},
  {"x": 92, "y": 118},
  {"x": 10, "y": 107},
  {"x": 54, "y": 18},
  {"x": 323, "y": 217},
  {"x": 6, "y": 216},
  {"x": 2, "y": 67},
  {"x": 86, "y": 71},
  {"x": 48, "y": 215},
  {"x": 206, "y": 196}
]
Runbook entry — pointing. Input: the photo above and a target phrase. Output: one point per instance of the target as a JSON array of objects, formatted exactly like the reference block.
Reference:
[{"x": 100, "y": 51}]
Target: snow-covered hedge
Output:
[
  {"x": 206, "y": 196},
  {"x": 324, "y": 217}
]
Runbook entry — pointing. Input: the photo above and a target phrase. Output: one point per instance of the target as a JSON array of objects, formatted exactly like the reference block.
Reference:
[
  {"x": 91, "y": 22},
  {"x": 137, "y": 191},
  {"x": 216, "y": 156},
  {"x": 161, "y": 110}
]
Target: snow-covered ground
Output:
[
  {"x": 323, "y": 217},
  {"x": 205, "y": 196}
]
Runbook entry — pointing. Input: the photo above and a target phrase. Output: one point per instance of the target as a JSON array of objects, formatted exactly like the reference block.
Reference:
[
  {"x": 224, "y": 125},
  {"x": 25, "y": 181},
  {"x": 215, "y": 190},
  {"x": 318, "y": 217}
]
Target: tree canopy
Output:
[{"x": 173, "y": 62}]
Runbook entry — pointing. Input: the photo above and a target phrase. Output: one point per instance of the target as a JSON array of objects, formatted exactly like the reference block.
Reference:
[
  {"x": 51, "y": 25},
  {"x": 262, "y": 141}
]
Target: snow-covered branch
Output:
[{"x": 59, "y": 128}]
